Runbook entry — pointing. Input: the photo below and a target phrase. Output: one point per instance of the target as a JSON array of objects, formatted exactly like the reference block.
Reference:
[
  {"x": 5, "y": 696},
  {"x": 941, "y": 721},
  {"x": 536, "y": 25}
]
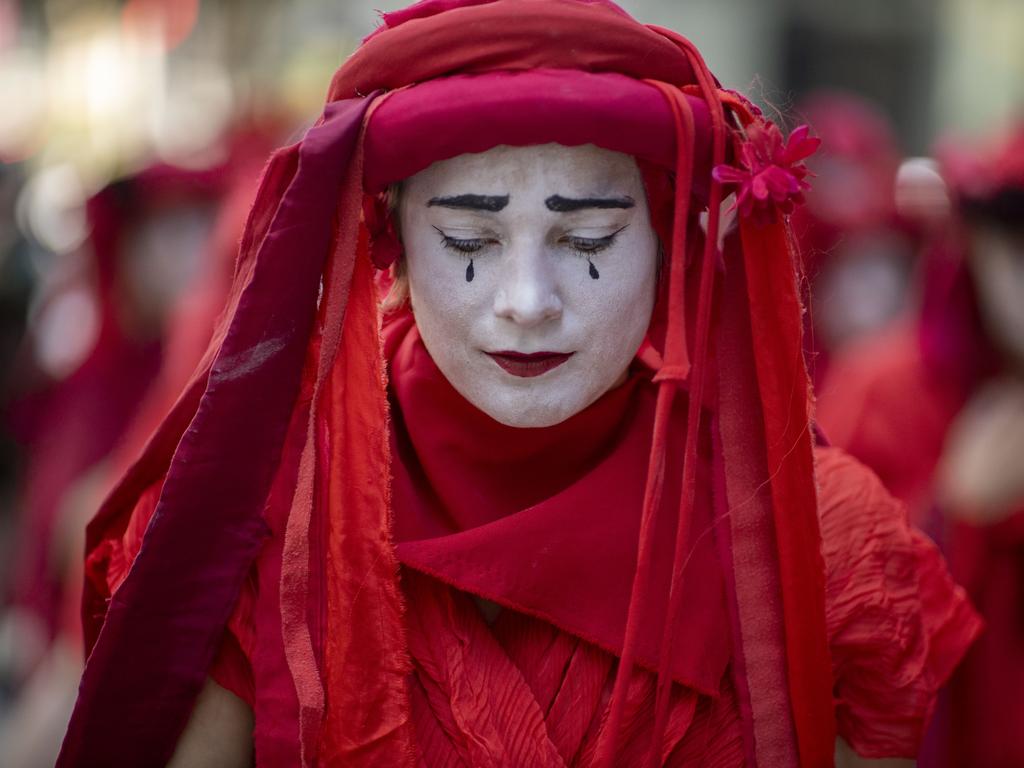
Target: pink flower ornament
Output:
[{"x": 772, "y": 177}]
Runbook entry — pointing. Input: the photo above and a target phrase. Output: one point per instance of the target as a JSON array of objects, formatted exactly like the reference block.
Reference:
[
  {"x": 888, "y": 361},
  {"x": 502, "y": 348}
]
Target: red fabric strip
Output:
[
  {"x": 754, "y": 556},
  {"x": 676, "y": 355},
  {"x": 117, "y": 720},
  {"x": 297, "y": 569},
  {"x": 782, "y": 380},
  {"x": 702, "y": 331},
  {"x": 727, "y": 557},
  {"x": 276, "y": 705},
  {"x": 365, "y": 656}
]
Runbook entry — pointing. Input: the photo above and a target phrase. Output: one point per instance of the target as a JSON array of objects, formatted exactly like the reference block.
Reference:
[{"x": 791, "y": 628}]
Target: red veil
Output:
[{"x": 278, "y": 448}]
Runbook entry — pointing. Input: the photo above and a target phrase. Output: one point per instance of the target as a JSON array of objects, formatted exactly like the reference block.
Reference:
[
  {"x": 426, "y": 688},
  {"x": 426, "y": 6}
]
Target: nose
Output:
[{"x": 528, "y": 292}]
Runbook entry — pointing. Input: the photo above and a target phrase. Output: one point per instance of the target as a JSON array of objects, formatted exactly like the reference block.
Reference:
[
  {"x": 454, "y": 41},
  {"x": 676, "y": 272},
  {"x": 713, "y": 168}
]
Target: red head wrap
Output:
[{"x": 287, "y": 417}]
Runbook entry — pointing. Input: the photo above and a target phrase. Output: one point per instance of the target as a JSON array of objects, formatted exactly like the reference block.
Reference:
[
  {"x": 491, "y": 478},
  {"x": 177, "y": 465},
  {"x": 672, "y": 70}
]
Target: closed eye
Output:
[
  {"x": 588, "y": 246},
  {"x": 463, "y": 245}
]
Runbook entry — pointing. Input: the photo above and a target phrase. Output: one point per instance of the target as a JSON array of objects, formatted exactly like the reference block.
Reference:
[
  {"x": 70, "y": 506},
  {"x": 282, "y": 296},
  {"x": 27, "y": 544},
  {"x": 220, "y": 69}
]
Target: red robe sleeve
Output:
[
  {"x": 897, "y": 623},
  {"x": 879, "y": 392},
  {"x": 107, "y": 567}
]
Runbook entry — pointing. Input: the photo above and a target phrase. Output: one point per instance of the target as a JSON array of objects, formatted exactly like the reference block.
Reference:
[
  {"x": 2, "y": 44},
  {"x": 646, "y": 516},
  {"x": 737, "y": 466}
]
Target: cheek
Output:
[
  {"x": 617, "y": 307},
  {"x": 445, "y": 305},
  {"x": 435, "y": 291}
]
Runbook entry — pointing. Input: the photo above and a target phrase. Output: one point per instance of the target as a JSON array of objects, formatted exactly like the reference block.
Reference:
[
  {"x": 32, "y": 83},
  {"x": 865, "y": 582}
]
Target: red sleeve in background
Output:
[{"x": 898, "y": 625}]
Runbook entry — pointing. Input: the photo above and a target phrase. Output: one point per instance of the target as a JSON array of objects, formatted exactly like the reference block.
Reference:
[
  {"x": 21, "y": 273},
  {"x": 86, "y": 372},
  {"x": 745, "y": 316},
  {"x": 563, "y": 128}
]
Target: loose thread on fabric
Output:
[
  {"x": 697, "y": 380},
  {"x": 676, "y": 359}
]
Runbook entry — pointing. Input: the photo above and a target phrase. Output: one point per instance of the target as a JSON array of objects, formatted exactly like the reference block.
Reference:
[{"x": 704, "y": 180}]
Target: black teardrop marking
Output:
[
  {"x": 593, "y": 270},
  {"x": 470, "y": 273}
]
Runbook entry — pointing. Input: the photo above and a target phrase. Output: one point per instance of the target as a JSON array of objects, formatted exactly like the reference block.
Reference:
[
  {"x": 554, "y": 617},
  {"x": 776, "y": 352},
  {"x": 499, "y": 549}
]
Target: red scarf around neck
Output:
[{"x": 544, "y": 521}]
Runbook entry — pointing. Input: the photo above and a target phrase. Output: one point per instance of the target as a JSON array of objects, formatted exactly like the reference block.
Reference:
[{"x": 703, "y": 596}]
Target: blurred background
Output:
[{"x": 131, "y": 134}]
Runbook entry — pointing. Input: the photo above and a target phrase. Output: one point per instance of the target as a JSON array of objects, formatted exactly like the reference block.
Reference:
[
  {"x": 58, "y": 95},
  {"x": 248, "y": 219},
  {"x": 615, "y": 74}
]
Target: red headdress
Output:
[{"x": 283, "y": 429}]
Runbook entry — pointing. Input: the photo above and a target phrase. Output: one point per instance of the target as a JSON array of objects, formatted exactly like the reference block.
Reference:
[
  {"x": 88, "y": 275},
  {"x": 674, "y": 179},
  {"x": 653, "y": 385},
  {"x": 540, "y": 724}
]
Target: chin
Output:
[
  {"x": 531, "y": 407},
  {"x": 537, "y": 420},
  {"x": 526, "y": 410}
]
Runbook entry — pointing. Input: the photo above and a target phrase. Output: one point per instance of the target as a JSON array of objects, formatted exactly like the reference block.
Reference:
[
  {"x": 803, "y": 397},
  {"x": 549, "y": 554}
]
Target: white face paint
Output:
[{"x": 499, "y": 247}]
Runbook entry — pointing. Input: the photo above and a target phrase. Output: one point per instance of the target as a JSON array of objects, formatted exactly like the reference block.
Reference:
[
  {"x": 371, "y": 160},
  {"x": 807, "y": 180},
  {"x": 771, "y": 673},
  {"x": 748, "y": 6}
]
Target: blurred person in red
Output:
[
  {"x": 192, "y": 318},
  {"x": 207, "y": 258},
  {"x": 562, "y": 506},
  {"x": 95, "y": 345},
  {"x": 856, "y": 251},
  {"x": 936, "y": 407}
]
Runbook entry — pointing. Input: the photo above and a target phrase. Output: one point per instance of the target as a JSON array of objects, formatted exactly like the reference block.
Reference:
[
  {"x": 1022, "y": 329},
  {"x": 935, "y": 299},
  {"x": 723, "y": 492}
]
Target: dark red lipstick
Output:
[{"x": 528, "y": 366}]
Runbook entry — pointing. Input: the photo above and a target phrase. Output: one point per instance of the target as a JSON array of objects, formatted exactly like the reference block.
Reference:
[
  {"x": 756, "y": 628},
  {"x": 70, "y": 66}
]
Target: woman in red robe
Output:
[
  {"x": 96, "y": 344},
  {"x": 567, "y": 508},
  {"x": 953, "y": 380}
]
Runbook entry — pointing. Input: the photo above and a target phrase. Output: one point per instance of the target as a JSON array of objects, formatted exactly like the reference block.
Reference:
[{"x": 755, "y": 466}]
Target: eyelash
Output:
[
  {"x": 584, "y": 247},
  {"x": 464, "y": 247}
]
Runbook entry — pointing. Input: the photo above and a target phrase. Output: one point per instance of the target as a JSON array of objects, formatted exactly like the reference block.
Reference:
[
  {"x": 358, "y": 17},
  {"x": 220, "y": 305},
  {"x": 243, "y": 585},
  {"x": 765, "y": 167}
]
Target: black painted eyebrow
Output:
[
  {"x": 489, "y": 203},
  {"x": 561, "y": 204}
]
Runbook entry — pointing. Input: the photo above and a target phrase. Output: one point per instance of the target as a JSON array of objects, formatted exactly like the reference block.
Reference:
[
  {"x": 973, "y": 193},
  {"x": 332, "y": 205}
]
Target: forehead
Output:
[{"x": 552, "y": 168}]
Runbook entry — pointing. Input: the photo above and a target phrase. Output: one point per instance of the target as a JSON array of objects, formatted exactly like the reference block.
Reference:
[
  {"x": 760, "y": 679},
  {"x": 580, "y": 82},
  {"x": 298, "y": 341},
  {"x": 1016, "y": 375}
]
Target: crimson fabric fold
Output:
[
  {"x": 255, "y": 369},
  {"x": 548, "y": 694},
  {"x": 431, "y": 39}
]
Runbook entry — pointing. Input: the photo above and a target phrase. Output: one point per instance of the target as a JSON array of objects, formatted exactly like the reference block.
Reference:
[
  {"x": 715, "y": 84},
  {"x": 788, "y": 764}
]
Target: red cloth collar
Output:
[{"x": 545, "y": 521}]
